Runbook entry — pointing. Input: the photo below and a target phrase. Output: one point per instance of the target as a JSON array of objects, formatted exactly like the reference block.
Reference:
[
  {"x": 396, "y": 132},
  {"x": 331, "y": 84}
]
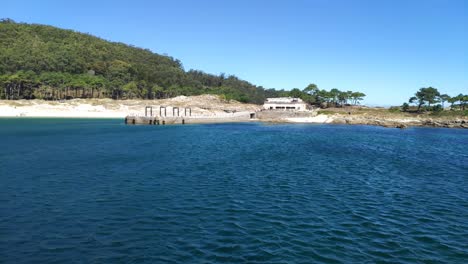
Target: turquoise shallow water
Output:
[{"x": 97, "y": 191}]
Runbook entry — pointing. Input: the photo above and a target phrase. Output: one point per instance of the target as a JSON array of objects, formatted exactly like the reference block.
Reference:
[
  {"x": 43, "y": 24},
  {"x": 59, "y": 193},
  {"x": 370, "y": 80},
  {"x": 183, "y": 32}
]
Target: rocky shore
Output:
[
  {"x": 401, "y": 123},
  {"x": 363, "y": 116}
]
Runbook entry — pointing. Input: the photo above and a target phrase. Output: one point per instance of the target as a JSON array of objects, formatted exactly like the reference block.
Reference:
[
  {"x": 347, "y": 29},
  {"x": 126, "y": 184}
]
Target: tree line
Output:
[
  {"x": 63, "y": 86},
  {"x": 430, "y": 99},
  {"x": 323, "y": 98}
]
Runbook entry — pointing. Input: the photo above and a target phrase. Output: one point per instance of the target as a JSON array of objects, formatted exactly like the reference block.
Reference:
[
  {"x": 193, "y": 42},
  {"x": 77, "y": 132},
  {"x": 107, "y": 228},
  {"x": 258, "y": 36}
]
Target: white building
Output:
[{"x": 285, "y": 103}]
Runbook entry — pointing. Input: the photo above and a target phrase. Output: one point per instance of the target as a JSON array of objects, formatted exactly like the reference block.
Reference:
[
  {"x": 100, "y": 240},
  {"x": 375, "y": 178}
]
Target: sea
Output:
[{"x": 100, "y": 191}]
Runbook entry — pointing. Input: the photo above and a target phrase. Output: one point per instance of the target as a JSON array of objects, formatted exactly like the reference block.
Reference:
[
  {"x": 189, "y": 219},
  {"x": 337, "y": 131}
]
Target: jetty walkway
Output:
[{"x": 165, "y": 115}]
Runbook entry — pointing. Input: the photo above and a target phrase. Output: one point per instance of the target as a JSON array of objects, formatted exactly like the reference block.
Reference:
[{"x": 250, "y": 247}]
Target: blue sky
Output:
[{"x": 387, "y": 49}]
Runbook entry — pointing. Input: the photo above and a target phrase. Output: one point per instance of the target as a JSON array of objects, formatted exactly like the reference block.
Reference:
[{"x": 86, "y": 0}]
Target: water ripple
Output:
[{"x": 98, "y": 191}]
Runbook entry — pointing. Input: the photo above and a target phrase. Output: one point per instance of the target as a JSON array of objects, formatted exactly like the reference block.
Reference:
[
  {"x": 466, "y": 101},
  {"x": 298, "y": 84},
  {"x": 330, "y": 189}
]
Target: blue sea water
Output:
[{"x": 97, "y": 191}]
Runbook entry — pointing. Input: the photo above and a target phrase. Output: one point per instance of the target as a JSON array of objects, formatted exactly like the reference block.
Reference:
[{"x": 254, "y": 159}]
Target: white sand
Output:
[
  {"x": 204, "y": 105},
  {"x": 43, "y": 109}
]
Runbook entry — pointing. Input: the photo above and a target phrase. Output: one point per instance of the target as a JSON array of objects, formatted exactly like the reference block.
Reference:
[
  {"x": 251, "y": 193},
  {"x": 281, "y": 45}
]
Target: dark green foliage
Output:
[
  {"x": 296, "y": 93},
  {"x": 437, "y": 108},
  {"x": 313, "y": 95},
  {"x": 444, "y": 98},
  {"x": 459, "y": 102},
  {"x": 38, "y": 61},
  {"x": 405, "y": 107},
  {"x": 427, "y": 96}
]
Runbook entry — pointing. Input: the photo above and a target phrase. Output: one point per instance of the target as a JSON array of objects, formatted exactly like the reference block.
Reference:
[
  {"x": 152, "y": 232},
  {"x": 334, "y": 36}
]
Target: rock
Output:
[
  {"x": 373, "y": 123},
  {"x": 428, "y": 123},
  {"x": 385, "y": 124},
  {"x": 339, "y": 121},
  {"x": 401, "y": 126}
]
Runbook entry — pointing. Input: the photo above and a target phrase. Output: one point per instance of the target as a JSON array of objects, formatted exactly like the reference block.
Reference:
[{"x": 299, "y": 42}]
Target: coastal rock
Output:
[
  {"x": 401, "y": 123},
  {"x": 387, "y": 124},
  {"x": 339, "y": 121}
]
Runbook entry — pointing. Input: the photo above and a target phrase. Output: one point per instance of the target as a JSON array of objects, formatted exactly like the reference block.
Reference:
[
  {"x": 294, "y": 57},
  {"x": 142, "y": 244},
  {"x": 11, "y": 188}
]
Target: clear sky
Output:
[{"x": 387, "y": 48}]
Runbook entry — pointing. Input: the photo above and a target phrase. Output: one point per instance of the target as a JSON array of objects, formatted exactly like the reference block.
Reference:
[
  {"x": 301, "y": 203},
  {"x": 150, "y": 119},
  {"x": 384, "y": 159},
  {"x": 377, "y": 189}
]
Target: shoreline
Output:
[
  {"x": 280, "y": 122},
  {"x": 212, "y": 109},
  {"x": 381, "y": 123},
  {"x": 392, "y": 122}
]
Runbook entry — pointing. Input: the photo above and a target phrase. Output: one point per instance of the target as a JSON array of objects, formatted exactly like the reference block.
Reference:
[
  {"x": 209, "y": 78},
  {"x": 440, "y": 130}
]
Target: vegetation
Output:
[
  {"x": 45, "y": 62},
  {"x": 453, "y": 113},
  {"x": 405, "y": 107},
  {"x": 430, "y": 99},
  {"x": 313, "y": 95},
  {"x": 424, "y": 96},
  {"x": 38, "y": 61}
]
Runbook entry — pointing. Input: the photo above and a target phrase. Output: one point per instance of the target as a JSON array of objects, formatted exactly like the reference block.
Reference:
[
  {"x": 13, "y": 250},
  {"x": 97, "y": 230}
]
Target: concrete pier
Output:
[
  {"x": 147, "y": 120},
  {"x": 184, "y": 116}
]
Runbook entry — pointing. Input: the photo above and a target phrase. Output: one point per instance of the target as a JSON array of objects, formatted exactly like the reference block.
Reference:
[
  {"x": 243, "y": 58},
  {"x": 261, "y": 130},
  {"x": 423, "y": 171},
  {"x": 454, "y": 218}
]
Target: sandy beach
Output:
[
  {"x": 203, "y": 105},
  {"x": 39, "y": 108}
]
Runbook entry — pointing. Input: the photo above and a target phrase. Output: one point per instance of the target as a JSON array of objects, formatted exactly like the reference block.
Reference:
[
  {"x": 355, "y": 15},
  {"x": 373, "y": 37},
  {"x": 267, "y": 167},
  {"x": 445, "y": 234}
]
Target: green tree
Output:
[
  {"x": 324, "y": 96},
  {"x": 311, "y": 89},
  {"x": 78, "y": 84},
  {"x": 424, "y": 96},
  {"x": 310, "y": 93},
  {"x": 19, "y": 85},
  {"x": 334, "y": 94},
  {"x": 444, "y": 98},
  {"x": 130, "y": 90},
  {"x": 452, "y": 101},
  {"x": 405, "y": 107},
  {"x": 158, "y": 91},
  {"x": 357, "y": 97},
  {"x": 343, "y": 98},
  {"x": 296, "y": 93},
  {"x": 463, "y": 100}
]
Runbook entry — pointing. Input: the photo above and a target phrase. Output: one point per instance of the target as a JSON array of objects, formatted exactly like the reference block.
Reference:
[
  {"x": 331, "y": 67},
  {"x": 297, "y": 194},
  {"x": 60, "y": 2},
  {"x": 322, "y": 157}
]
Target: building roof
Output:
[{"x": 284, "y": 100}]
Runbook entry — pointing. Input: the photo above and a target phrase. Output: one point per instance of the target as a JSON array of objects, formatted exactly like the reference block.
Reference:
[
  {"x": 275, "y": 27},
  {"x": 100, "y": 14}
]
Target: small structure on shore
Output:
[{"x": 285, "y": 103}]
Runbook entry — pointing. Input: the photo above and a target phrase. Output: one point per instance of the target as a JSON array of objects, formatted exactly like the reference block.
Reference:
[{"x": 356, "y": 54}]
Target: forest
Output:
[{"x": 45, "y": 62}]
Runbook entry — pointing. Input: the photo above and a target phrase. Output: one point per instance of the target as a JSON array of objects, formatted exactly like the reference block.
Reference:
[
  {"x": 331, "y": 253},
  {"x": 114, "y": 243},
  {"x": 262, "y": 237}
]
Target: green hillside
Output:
[{"x": 39, "y": 61}]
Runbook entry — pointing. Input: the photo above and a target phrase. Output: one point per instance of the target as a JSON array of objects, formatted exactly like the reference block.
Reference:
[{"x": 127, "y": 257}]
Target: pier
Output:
[{"x": 169, "y": 115}]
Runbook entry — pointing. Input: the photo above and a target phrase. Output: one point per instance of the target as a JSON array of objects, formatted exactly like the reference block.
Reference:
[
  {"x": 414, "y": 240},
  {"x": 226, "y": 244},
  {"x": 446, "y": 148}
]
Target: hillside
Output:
[{"x": 45, "y": 62}]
